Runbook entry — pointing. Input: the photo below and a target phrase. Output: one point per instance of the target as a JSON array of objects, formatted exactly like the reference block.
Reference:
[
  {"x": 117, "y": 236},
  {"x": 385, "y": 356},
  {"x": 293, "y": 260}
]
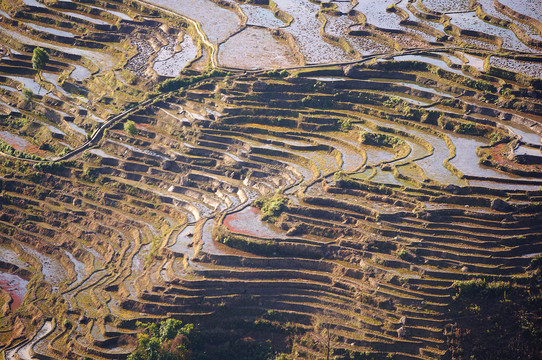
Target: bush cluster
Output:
[
  {"x": 380, "y": 140},
  {"x": 167, "y": 341},
  {"x": 173, "y": 340},
  {"x": 271, "y": 207},
  {"x": 10, "y": 150},
  {"x": 130, "y": 128},
  {"x": 480, "y": 287},
  {"x": 177, "y": 83}
]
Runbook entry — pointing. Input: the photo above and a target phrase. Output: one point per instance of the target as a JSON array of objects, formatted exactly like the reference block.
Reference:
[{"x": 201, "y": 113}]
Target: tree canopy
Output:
[
  {"x": 28, "y": 94},
  {"x": 130, "y": 128},
  {"x": 173, "y": 340},
  {"x": 39, "y": 58},
  {"x": 166, "y": 341}
]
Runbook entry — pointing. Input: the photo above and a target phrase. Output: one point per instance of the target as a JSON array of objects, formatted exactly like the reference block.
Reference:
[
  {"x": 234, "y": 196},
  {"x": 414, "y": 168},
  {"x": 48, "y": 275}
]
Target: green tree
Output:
[
  {"x": 28, "y": 94},
  {"x": 169, "y": 340},
  {"x": 39, "y": 60},
  {"x": 130, "y": 128},
  {"x": 271, "y": 207}
]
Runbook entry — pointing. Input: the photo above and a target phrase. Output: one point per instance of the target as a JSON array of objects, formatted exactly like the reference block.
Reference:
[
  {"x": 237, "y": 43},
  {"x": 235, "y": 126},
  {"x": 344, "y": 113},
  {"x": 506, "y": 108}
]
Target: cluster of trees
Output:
[
  {"x": 376, "y": 139},
  {"x": 39, "y": 60},
  {"x": 271, "y": 206},
  {"x": 498, "y": 317},
  {"x": 180, "y": 82},
  {"x": 173, "y": 340},
  {"x": 130, "y": 128},
  {"x": 167, "y": 341}
]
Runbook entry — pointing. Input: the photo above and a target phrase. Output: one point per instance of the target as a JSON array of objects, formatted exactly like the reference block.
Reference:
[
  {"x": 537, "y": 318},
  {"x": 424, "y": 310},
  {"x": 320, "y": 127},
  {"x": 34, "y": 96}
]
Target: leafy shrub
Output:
[
  {"x": 497, "y": 288},
  {"x": 39, "y": 58},
  {"x": 317, "y": 102},
  {"x": 173, "y": 340},
  {"x": 271, "y": 207},
  {"x": 167, "y": 341},
  {"x": 479, "y": 85},
  {"x": 53, "y": 167},
  {"x": 466, "y": 128},
  {"x": 380, "y": 140},
  {"x": 450, "y": 102},
  {"x": 470, "y": 287},
  {"x": 536, "y": 262},
  {"x": 177, "y": 83},
  {"x": 10, "y": 150},
  {"x": 90, "y": 175},
  {"x": 277, "y": 73},
  {"x": 130, "y": 128},
  {"x": 393, "y": 101},
  {"x": 497, "y": 136},
  {"x": 480, "y": 288},
  {"x": 28, "y": 94},
  {"x": 344, "y": 124}
]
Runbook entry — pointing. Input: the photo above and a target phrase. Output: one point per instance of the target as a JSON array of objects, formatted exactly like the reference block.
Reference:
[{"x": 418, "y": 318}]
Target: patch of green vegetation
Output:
[
  {"x": 317, "y": 102},
  {"x": 403, "y": 107},
  {"x": 344, "y": 124},
  {"x": 10, "y": 150},
  {"x": 498, "y": 136},
  {"x": 393, "y": 101},
  {"x": 466, "y": 128},
  {"x": 28, "y": 94},
  {"x": 451, "y": 102},
  {"x": 53, "y": 167},
  {"x": 505, "y": 312},
  {"x": 479, "y": 85},
  {"x": 167, "y": 341},
  {"x": 478, "y": 287},
  {"x": 173, "y": 340},
  {"x": 177, "y": 83},
  {"x": 130, "y": 128},
  {"x": 271, "y": 207},
  {"x": 13, "y": 122},
  {"x": 380, "y": 140},
  {"x": 275, "y": 73},
  {"x": 259, "y": 247},
  {"x": 90, "y": 174},
  {"x": 155, "y": 246},
  {"x": 402, "y": 253},
  {"x": 40, "y": 58}
]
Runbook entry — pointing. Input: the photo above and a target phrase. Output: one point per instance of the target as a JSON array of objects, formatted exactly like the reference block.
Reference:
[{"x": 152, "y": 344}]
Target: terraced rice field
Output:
[{"x": 406, "y": 151}]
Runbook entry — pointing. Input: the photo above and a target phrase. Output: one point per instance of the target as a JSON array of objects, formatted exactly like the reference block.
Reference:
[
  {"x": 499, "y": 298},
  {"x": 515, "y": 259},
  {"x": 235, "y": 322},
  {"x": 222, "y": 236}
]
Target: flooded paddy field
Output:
[
  {"x": 445, "y": 6},
  {"x": 256, "y": 48},
  {"x": 170, "y": 65},
  {"x": 217, "y": 22},
  {"x": 15, "y": 287},
  {"x": 532, "y": 69},
  {"x": 529, "y": 8},
  {"x": 470, "y": 21},
  {"x": 280, "y": 168}
]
